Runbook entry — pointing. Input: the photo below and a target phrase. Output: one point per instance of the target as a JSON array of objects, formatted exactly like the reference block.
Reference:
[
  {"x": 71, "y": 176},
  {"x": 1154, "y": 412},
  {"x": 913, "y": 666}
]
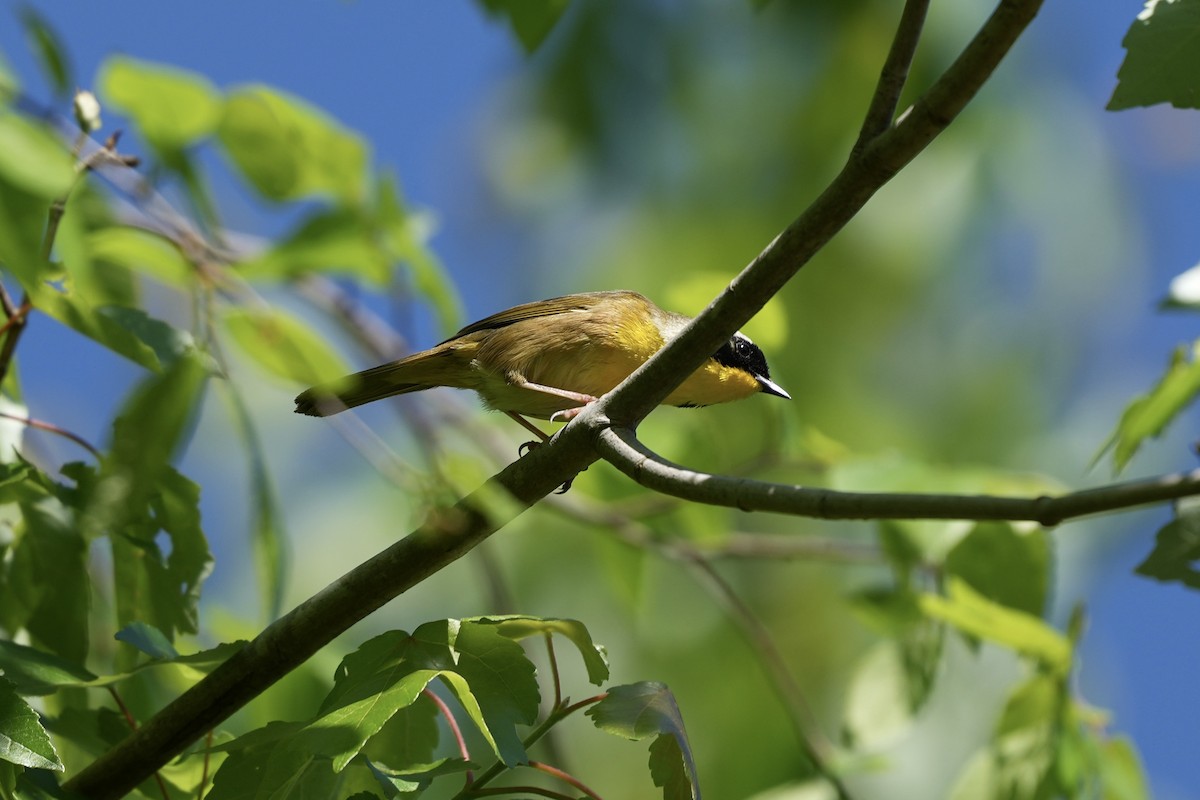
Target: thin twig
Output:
[
  {"x": 813, "y": 742},
  {"x": 132, "y": 723},
  {"x": 208, "y": 740},
  {"x": 455, "y": 730},
  {"x": 50, "y": 427},
  {"x": 565, "y": 777},
  {"x": 621, "y": 448},
  {"x": 894, "y": 73},
  {"x": 516, "y": 790},
  {"x": 553, "y": 718}
]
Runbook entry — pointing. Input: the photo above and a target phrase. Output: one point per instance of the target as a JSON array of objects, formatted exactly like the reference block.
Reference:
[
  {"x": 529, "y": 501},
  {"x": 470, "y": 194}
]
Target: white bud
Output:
[{"x": 87, "y": 111}]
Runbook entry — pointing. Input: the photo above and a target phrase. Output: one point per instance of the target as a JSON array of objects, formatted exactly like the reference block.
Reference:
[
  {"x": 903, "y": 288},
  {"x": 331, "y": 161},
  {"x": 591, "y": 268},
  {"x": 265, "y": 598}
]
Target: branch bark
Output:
[{"x": 621, "y": 448}]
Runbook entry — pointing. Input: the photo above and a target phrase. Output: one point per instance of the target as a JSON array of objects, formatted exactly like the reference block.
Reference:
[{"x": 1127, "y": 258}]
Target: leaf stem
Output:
[
  {"x": 565, "y": 778},
  {"x": 50, "y": 427}
]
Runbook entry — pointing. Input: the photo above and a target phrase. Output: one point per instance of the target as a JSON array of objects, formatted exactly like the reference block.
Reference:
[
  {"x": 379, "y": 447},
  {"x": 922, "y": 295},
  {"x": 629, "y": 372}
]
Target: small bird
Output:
[{"x": 551, "y": 358}]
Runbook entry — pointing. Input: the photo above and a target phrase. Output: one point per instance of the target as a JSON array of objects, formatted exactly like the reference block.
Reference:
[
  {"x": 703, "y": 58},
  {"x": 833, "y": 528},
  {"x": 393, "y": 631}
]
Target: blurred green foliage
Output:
[{"x": 648, "y": 146}]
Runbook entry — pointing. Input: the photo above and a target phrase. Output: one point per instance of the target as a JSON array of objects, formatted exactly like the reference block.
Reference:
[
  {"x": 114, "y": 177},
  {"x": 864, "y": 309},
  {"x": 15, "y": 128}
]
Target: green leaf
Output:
[
  {"x": 410, "y": 781},
  {"x": 1121, "y": 774},
  {"x": 341, "y": 731},
  {"x": 46, "y": 46},
  {"x": 284, "y": 346},
  {"x": 385, "y": 674},
  {"x": 531, "y": 20},
  {"x": 164, "y": 591},
  {"x": 142, "y": 251},
  {"x": 975, "y": 615},
  {"x": 267, "y": 764},
  {"x": 878, "y": 709},
  {"x": 149, "y": 639},
  {"x": 36, "y": 672},
  {"x": 23, "y": 740},
  {"x": 22, "y": 220},
  {"x": 172, "y": 108},
  {"x": 151, "y": 424},
  {"x": 95, "y": 730},
  {"x": 503, "y": 681},
  {"x": 53, "y": 554},
  {"x": 638, "y": 710},
  {"x": 168, "y": 343},
  {"x": 33, "y": 159},
  {"x": 1149, "y": 414},
  {"x": 520, "y": 626},
  {"x": 1004, "y": 565},
  {"x": 289, "y": 150},
  {"x": 406, "y": 235},
  {"x": 340, "y": 241},
  {"x": 1176, "y": 548},
  {"x": 409, "y": 737},
  {"x": 1162, "y": 57}
]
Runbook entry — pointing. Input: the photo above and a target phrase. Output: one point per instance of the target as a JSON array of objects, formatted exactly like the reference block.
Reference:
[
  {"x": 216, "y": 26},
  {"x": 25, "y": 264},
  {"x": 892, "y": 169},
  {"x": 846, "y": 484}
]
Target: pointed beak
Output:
[{"x": 770, "y": 387}]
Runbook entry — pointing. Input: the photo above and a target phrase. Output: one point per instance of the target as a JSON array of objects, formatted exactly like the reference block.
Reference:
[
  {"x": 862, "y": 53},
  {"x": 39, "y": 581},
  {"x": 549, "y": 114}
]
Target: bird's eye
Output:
[{"x": 741, "y": 347}]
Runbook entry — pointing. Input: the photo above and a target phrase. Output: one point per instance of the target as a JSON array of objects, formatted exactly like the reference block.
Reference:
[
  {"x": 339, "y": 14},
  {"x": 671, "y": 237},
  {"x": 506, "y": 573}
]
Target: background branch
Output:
[{"x": 621, "y": 448}]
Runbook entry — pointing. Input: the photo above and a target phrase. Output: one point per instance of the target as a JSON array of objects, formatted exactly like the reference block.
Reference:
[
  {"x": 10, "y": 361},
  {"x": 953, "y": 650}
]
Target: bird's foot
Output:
[{"x": 529, "y": 447}]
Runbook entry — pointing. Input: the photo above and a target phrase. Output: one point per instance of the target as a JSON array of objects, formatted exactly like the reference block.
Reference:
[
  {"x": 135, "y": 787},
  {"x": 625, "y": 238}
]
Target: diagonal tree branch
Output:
[
  {"x": 621, "y": 448},
  {"x": 894, "y": 74}
]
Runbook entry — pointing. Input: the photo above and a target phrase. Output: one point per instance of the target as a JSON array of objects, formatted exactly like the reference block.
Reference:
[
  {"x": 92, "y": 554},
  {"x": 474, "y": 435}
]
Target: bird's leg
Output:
[
  {"x": 564, "y": 415},
  {"x": 519, "y": 381},
  {"x": 529, "y": 426}
]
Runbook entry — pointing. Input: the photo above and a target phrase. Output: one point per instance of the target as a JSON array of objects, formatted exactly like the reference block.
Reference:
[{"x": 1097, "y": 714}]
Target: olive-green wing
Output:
[{"x": 542, "y": 308}]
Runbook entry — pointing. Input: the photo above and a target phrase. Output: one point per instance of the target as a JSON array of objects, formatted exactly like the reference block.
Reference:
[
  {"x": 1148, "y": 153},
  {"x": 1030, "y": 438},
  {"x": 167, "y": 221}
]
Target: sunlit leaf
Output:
[
  {"x": 975, "y": 615},
  {"x": 33, "y": 158},
  {"x": 638, "y": 710},
  {"x": 1149, "y": 414},
  {"x": 388, "y": 673},
  {"x": 173, "y": 108},
  {"x": 142, "y": 251},
  {"x": 878, "y": 707},
  {"x": 531, "y": 20},
  {"x": 284, "y": 345},
  {"x": 23, "y": 740},
  {"x": 518, "y": 626},
  {"x": 1122, "y": 776},
  {"x": 1162, "y": 57},
  {"x": 288, "y": 149},
  {"x": 502, "y": 679},
  {"x": 341, "y": 241}
]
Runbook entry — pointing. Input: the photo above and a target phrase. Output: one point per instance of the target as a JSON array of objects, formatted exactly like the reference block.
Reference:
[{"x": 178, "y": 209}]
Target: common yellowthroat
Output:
[{"x": 551, "y": 358}]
